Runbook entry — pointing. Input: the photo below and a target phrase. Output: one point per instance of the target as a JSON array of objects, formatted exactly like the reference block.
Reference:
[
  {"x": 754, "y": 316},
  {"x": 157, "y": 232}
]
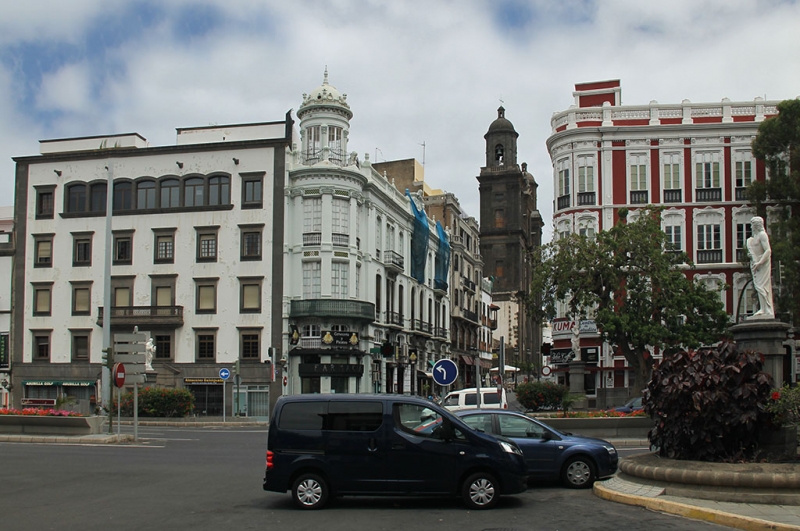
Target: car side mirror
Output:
[{"x": 547, "y": 435}]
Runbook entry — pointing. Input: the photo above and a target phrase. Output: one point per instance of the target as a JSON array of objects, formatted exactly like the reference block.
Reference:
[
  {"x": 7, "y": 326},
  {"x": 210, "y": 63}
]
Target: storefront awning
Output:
[
  {"x": 68, "y": 383},
  {"x": 467, "y": 360}
]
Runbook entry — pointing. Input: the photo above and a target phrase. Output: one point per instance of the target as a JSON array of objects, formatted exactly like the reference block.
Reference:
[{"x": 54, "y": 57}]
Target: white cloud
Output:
[{"x": 414, "y": 72}]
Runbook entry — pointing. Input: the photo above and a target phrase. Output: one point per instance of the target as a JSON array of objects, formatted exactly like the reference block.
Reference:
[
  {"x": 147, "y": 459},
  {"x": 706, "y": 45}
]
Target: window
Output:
[
  {"x": 219, "y": 190},
  {"x": 709, "y": 237},
  {"x": 339, "y": 280},
  {"x": 378, "y": 242},
  {"x": 163, "y": 295},
  {"x": 312, "y": 214},
  {"x": 42, "y": 299},
  {"x": 251, "y": 242},
  {"x": 707, "y": 170},
  {"x": 170, "y": 193},
  {"x": 250, "y": 294},
  {"x": 638, "y": 171},
  {"x": 206, "y": 295},
  {"x": 312, "y": 330},
  {"x": 163, "y": 347},
  {"x": 43, "y": 249},
  {"x": 743, "y": 231},
  {"x": 81, "y": 298},
  {"x": 80, "y": 345},
  {"x": 418, "y": 420},
  {"x": 76, "y": 197},
  {"x": 206, "y": 243},
  {"x": 193, "y": 192},
  {"x": 45, "y": 202},
  {"x": 81, "y": 249},
  {"x": 145, "y": 195},
  {"x": 312, "y": 280},
  {"x": 122, "y": 297},
  {"x": 744, "y": 173},
  {"x": 123, "y": 248},
  {"x": 341, "y": 216},
  {"x": 499, "y": 267},
  {"x": 206, "y": 344},
  {"x": 499, "y": 218},
  {"x": 585, "y": 174},
  {"x": 164, "y": 246},
  {"x": 250, "y": 341},
  {"x": 41, "y": 345},
  {"x": 587, "y": 232},
  {"x": 672, "y": 171},
  {"x": 336, "y": 144},
  {"x": 313, "y": 143},
  {"x": 123, "y": 196},
  {"x": 563, "y": 177},
  {"x": 674, "y": 238},
  {"x": 97, "y": 197},
  {"x": 253, "y": 191}
]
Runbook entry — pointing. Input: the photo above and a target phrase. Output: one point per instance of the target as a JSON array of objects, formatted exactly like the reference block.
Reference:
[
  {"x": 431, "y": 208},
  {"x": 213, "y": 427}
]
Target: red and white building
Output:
[{"x": 693, "y": 159}]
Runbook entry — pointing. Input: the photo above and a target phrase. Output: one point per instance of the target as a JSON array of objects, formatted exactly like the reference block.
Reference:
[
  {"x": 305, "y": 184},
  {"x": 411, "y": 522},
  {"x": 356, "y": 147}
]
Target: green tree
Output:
[
  {"x": 778, "y": 145},
  {"x": 638, "y": 294}
]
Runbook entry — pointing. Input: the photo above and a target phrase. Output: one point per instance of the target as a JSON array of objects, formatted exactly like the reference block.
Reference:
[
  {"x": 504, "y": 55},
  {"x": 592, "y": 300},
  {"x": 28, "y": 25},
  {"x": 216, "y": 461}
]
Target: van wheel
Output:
[
  {"x": 480, "y": 491},
  {"x": 578, "y": 473},
  {"x": 310, "y": 491}
]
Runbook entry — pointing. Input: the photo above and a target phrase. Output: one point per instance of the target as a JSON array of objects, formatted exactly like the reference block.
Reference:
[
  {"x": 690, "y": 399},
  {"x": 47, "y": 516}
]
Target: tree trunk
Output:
[{"x": 642, "y": 365}]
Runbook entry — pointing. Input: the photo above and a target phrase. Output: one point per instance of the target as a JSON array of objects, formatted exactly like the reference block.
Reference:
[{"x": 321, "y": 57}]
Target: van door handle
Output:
[{"x": 373, "y": 445}]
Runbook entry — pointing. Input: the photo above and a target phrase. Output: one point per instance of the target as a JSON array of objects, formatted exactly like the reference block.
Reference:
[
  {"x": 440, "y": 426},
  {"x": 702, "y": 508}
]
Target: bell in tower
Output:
[{"x": 501, "y": 142}]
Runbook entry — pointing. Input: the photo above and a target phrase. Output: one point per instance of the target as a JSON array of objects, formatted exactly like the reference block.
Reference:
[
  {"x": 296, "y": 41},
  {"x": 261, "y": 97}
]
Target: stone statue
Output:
[
  {"x": 149, "y": 352},
  {"x": 761, "y": 266}
]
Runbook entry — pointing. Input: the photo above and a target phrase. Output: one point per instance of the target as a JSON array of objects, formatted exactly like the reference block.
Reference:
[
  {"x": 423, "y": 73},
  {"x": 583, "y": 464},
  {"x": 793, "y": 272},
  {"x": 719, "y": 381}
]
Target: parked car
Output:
[
  {"x": 549, "y": 454},
  {"x": 325, "y": 445},
  {"x": 634, "y": 404},
  {"x": 468, "y": 399}
]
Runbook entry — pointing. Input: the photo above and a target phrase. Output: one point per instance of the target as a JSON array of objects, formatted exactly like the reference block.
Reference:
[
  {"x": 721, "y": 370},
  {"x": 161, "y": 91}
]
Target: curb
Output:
[{"x": 688, "y": 511}]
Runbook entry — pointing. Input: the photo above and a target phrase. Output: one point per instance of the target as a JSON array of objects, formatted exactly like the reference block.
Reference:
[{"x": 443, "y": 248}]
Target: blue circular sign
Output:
[
  {"x": 224, "y": 373},
  {"x": 445, "y": 372}
]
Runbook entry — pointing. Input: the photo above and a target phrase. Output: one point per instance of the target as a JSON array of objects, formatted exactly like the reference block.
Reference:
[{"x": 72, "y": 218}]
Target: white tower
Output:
[{"x": 324, "y": 125}]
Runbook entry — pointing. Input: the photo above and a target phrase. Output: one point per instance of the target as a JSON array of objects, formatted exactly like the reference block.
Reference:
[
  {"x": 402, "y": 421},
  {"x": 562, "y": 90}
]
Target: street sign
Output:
[
  {"x": 135, "y": 378},
  {"x": 129, "y": 347},
  {"x": 118, "y": 373},
  {"x": 445, "y": 372},
  {"x": 129, "y": 358},
  {"x": 130, "y": 338},
  {"x": 224, "y": 373}
]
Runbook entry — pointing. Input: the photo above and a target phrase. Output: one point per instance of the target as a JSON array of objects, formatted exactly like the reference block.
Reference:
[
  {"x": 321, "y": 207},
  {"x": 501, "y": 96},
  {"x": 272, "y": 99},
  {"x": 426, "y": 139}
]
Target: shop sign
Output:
[
  {"x": 566, "y": 328},
  {"x": 339, "y": 339},
  {"x": 561, "y": 355},
  {"x": 590, "y": 354},
  {"x": 330, "y": 369},
  {"x": 200, "y": 381}
]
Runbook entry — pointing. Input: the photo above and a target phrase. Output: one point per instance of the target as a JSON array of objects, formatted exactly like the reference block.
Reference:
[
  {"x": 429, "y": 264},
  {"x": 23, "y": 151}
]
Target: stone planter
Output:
[
  {"x": 603, "y": 427},
  {"x": 779, "y": 444},
  {"x": 49, "y": 425}
]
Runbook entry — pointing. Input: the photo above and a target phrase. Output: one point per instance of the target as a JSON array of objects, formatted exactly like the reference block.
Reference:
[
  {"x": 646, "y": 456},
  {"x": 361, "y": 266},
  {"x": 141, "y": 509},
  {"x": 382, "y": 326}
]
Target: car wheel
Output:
[
  {"x": 480, "y": 491},
  {"x": 578, "y": 473},
  {"x": 310, "y": 491}
]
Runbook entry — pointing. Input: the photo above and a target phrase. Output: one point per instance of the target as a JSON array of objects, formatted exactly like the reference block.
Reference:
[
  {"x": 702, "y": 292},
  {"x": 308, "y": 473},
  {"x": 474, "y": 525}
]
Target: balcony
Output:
[
  {"x": 639, "y": 197},
  {"x": 440, "y": 332},
  {"x": 587, "y": 199},
  {"x": 312, "y": 238},
  {"x": 394, "y": 261},
  {"x": 705, "y": 195},
  {"x": 493, "y": 324},
  {"x": 419, "y": 325},
  {"x": 468, "y": 284},
  {"x": 471, "y": 316},
  {"x": 338, "y": 308},
  {"x": 394, "y": 319},
  {"x": 672, "y": 196},
  {"x": 145, "y": 317},
  {"x": 340, "y": 240},
  {"x": 741, "y": 194},
  {"x": 712, "y": 256},
  {"x": 563, "y": 202}
]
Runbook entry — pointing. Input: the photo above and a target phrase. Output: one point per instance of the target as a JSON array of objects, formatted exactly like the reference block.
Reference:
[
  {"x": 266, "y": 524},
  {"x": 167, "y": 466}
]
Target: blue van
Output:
[{"x": 319, "y": 446}]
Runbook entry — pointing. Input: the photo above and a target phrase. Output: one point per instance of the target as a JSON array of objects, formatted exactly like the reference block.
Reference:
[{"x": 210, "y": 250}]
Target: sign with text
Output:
[
  {"x": 339, "y": 339},
  {"x": 562, "y": 329},
  {"x": 5, "y": 358}
]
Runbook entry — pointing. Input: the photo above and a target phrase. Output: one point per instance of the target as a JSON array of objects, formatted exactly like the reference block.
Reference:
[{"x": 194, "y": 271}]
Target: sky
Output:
[{"x": 424, "y": 78}]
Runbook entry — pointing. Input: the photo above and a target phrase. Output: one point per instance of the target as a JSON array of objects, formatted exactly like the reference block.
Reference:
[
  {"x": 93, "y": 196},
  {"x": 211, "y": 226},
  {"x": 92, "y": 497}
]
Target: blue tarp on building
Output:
[
  {"x": 442, "y": 259},
  {"x": 419, "y": 242}
]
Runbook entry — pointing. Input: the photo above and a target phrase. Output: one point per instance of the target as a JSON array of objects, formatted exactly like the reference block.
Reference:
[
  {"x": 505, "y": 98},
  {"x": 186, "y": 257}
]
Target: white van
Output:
[{"x": 468, "y": 398}]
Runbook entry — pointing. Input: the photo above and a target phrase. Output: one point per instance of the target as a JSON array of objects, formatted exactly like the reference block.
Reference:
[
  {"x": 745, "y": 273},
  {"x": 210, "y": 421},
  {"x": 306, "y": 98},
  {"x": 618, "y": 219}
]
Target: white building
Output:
[{"x": 6, "y": 265}]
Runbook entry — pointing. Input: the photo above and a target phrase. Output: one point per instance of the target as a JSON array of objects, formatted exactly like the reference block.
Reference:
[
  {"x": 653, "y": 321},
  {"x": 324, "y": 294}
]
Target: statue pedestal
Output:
[
  {"x": 577, "y": 370},
  {"x": 767, "y": 337}
]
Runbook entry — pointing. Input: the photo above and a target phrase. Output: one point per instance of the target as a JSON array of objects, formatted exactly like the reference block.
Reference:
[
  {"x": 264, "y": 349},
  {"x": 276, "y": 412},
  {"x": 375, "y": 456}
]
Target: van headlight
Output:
[
  {"x": 610, "y": 449},
  {"x": 510, "y": 448}
]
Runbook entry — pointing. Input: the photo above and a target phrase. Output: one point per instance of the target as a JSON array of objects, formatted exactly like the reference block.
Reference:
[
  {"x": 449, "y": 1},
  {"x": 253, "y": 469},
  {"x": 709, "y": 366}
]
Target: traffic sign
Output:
[
  {"x": 130, "y": 358},
  {"x": 445, "y": 372},
  {"x": 130, "y": 338},
  {"x": 118, "y": 373},
  {"x": 129, "y": 347},
  {"x": 224, "y": 373}
]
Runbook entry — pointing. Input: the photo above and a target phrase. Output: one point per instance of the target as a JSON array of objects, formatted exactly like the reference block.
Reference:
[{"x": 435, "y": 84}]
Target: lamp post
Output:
[{"x": 413, "y": 358}]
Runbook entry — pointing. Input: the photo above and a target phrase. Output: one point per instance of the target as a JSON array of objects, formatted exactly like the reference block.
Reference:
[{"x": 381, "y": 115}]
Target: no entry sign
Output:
[{"x": 118, "y": 373}]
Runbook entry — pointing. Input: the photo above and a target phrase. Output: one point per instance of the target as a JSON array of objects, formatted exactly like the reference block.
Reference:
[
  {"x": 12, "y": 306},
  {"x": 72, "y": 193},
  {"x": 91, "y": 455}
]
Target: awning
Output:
[
  {"x": 486, "y": 364},
  {"x": 69, "y": 383},
  {"x": 467, "y": 359},
  {"x": 508, "y": 368}
]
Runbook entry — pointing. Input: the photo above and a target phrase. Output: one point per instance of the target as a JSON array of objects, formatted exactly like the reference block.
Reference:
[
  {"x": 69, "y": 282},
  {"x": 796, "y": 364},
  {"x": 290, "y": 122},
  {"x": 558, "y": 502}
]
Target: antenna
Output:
[
  {"x": 376, "y": 155},
  {"x": 423, "y": 152}
]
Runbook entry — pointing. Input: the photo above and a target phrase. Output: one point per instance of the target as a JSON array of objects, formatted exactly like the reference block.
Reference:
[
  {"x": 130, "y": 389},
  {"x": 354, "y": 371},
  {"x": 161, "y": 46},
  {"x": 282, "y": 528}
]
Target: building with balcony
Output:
[
  {"x": 366, "y": 305},
  {"x": 192, "y": 250},
  {"x": 692, "y": 159}
]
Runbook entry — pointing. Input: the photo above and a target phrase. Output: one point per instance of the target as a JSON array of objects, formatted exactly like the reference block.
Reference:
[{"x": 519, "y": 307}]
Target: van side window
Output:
[
  {"x": 450, "y": 400},
  {"x": 303, "y": 415},
  {"x": 419, "y": 420},
  {"x": 490, "y": 398},
  {"x": 354, "y": 416}
]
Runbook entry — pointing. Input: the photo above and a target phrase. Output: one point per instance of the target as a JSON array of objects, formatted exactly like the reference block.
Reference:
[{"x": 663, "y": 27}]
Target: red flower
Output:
[{"x": 776, "y": 395}]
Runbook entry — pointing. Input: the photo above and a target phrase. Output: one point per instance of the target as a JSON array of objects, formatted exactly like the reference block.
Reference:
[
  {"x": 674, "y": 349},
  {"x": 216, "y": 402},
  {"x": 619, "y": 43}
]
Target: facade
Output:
[
  {"x": 510, "y": 228},
  {"x": 195, "y": 241},
  {"x": 366, "y": 305},
  {"x": 6, "y": 266},
  {"x": 692, "y": 159}
]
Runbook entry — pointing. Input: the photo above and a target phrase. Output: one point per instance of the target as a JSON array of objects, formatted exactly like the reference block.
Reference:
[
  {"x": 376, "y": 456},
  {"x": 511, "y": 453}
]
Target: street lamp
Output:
[{"x": 413, "y": 358}]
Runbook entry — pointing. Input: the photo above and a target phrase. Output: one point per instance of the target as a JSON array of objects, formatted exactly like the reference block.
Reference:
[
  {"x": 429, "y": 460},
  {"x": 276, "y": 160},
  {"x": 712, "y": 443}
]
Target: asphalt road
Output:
[{"x": 210, "y": 479}]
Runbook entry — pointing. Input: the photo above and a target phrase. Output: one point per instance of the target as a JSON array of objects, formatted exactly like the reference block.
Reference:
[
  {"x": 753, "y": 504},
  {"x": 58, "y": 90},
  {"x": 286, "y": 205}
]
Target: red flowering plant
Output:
[
  {"x": 39, "y": 412},
  {"x": 784, "y": 405}
]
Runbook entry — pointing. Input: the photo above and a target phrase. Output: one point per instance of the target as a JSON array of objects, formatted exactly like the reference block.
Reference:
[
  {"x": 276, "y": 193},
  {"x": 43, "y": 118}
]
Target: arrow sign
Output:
[
  {"x": 445, "y": 372},
  {"x": 224, "y": 373}
]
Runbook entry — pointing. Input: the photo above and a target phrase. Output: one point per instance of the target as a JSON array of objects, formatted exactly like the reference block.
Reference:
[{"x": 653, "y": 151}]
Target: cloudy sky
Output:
[{"x": 416, "y": 72}]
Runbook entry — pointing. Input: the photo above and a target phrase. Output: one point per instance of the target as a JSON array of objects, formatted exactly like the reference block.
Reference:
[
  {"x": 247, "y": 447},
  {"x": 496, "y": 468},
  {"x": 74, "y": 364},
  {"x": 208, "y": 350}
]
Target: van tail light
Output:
[{"x": 270, "y": 462}]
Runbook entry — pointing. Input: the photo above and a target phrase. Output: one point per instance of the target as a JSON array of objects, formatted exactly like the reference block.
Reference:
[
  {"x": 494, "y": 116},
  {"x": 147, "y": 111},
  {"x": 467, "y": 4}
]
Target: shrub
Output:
[
  {"x": 785, "y": 406},
  {"x": 159, "y": 402},
  {"x": 709, "y": 404},
  {"x": 536, "y": 396}
]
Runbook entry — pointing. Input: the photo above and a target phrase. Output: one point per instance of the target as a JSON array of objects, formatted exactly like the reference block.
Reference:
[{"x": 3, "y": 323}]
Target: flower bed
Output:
[{"x": 35, "y": 421}]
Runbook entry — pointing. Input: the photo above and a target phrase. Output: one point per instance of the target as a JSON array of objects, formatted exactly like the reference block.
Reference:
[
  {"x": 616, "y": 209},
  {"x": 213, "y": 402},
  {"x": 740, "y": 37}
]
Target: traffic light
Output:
[
  {"x": 108, "y": 357},
  {"x": 546, "y": 349},
  {"x": 387, "y": 349},
  {"x": 236, "y": 367}
]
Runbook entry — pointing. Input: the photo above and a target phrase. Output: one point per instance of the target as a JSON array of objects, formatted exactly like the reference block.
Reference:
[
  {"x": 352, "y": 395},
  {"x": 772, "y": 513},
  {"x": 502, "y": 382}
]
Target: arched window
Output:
[
  {"x": 123, "y": 196},
  {"x": 97, "y": 198},
  {"x": 499, "y": 152},
  {"x": 193, "y": 195},
  {"x": 219, "y": 191},
  {"x": 170, "y": 193},
  {"x": 76, "y": 197},
  {"x": 145, "y": 195}
]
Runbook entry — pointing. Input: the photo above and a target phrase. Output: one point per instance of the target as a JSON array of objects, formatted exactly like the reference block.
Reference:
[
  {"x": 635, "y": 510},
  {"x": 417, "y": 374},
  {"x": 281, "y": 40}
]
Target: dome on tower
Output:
[
  {"x": 501, "y": 124},
  {"x": 325, "y": 96}
]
